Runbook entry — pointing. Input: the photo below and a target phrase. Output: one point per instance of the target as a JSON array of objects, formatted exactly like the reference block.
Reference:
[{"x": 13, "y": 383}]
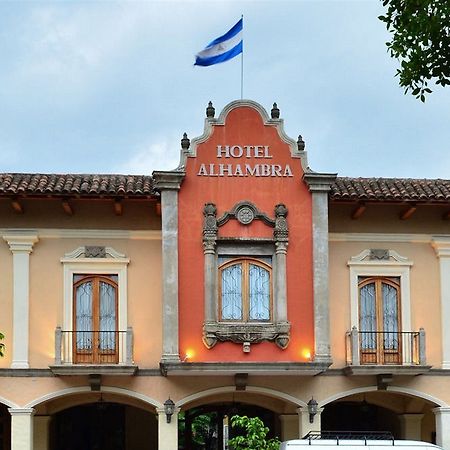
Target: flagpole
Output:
[{"x": 242, "y": 60}]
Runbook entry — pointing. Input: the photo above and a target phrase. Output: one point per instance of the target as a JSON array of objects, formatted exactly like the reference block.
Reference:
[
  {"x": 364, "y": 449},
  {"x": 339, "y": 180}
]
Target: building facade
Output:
[{"x": 142, "y": 312}]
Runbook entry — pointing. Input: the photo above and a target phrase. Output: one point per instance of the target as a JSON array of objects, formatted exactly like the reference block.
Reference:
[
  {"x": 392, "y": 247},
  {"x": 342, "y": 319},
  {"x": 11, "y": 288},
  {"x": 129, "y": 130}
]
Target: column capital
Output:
[
  {"x": 441, "y": 410},
  {"x": 21, "y": 243},
  {"x": 162, "y": 412},
  {"x": 168, "y": 180},
  {"x": 441, "y": 245},
  {"x": 21, "y": 411},
  {"x": 319, "y": 182}
]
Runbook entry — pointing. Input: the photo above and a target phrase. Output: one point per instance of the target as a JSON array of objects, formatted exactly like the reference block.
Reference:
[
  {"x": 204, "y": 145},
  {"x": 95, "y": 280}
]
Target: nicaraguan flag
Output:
[{"x": 223, "y": 48}]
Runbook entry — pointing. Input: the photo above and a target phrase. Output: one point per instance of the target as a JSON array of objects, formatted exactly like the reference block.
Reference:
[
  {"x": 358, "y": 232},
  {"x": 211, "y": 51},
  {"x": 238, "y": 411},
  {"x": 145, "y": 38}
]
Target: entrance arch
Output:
[
  {"x": 110, "y": 419},
  {"x": 406, "y": 414},
  {"x": 209, "y": 412}
]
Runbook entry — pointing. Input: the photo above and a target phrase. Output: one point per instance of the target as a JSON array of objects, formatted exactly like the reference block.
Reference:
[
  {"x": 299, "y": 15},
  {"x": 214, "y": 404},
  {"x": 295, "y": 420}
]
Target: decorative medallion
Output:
[{"x": 245, "y": 215}]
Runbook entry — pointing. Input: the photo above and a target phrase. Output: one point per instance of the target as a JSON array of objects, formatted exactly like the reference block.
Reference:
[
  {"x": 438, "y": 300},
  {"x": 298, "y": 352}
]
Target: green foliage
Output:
[
  {"x": 2, "y": 346},
  {"x": 255, "y": 437},
  {"x": 420, "y": 41}
]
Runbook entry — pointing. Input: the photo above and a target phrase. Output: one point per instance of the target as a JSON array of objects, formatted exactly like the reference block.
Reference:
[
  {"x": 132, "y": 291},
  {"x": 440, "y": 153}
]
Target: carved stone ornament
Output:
[
  {"x": 281, "y": 232},
  {"x": 245, "y": 215},
  {"x": 245, "y": 332},
  {"x": 209, "y": 228},
  {"x": 240, "y": 333},
  {"x": 91, "y": 251},
  {"x": 245, "y": 212},
  {"x": 379, "y": 254}
]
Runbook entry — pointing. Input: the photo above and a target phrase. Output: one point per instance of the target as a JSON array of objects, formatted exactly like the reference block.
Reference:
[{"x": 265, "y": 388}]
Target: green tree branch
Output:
[{"x": 420, "y": 41}]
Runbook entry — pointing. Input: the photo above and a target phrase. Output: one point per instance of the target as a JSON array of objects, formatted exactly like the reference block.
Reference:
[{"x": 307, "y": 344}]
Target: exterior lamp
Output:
[
  {"x": 312, "y": 409},
  {"x": 169, "y": 409}
]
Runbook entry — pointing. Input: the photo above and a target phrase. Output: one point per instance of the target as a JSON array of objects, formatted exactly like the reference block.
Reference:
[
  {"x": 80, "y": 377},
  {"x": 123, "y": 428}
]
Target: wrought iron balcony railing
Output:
[
  {"x": 94, "y": 347},
  {"x": 405, "y": 348}
]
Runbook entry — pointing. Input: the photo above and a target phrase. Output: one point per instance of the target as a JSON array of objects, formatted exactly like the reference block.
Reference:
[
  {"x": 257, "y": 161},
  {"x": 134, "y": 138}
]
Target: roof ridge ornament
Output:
[
  {"x": 210, "y": 111},
  {"x": 185, "y": 142},
  {"x": 275, "y": 112}
]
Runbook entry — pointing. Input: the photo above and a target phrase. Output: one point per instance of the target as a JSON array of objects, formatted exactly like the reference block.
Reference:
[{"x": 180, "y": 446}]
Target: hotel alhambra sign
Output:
[{"x": 243, "y": 161}]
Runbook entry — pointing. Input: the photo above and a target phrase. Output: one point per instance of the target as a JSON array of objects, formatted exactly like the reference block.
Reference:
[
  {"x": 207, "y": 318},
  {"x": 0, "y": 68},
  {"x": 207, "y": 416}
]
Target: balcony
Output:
[
  {"x": 93, "y": 352},
  {"x": 385, "y": 352}
]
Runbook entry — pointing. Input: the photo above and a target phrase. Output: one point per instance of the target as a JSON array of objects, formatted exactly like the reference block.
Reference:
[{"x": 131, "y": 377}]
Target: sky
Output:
[{"x": 110, "y": 87}]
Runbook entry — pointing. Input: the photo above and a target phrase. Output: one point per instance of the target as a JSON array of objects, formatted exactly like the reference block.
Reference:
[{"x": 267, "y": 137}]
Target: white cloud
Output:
[{"x": 150, "y": 157}]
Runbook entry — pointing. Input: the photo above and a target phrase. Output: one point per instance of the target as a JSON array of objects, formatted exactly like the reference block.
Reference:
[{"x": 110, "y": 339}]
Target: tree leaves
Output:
[
  {"x": 255, "y": 437},
  {"x": 420, "y": 41}
]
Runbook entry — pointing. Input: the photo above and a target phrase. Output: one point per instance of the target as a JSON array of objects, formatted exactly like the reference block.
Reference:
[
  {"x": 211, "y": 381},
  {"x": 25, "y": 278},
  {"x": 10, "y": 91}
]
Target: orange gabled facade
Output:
[{"x": 245, "y": 157}]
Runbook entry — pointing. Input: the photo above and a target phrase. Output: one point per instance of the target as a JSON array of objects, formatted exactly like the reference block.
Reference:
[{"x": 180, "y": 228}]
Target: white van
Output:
[{"x": 357, "y": 444}]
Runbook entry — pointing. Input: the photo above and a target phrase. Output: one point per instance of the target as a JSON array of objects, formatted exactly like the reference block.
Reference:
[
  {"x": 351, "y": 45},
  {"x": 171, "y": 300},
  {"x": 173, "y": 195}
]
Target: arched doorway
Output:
[
  {"x": 208, "y": 427},
  {"x": 97, "y": 421},
  {"x": 360, "y": 416},
  {"x": 404, "y": 415},
  {"x": 5, "y": 428}
]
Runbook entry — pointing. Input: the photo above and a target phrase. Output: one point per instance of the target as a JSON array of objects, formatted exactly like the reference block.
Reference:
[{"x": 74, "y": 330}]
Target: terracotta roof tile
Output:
[
  {"x": 140, "y": 186},
  {"x": 391, "y": 190},
  {"x": 77, "y": 185}
]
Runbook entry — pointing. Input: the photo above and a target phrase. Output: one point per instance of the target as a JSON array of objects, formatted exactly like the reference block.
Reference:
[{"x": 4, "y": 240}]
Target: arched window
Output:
[
  {"x": 379, "y": 320},
  {"x": 95, "y": 318},
  {"x": 245, "y": 290}
]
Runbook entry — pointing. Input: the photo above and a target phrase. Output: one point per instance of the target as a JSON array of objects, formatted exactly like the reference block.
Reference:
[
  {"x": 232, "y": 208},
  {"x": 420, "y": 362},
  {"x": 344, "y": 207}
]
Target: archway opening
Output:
[
  {"x": 360, "y": 416},
  {"x": 208, "y": 427},
  {"x": 110, "y": 423},
  {"x": 5, "y": 428},
  {"x": 404, "y": 416}
]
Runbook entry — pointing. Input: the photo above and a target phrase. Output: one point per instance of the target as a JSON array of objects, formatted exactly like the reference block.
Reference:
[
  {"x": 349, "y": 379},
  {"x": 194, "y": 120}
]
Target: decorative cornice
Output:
[{"x": 168, "y": 180}]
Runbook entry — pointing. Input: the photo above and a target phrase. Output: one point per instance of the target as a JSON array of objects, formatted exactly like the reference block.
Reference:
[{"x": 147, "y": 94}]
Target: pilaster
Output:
[
  {"x": 289, "y": 426},
  {"x": 21, "y": 245},
  {"x": 280, "y": 281},
  {"x": 21, "y": 428},
  {"x": 411, "y": 426},
  {"x": 305, "y": 425},
  {"x": 442, "y": 426},
  {"x": 168, "y": 184},
  {"x": 319, "y": 185},
  {"x": 441, "y": 246},
  {"x": 167, "y": 432}
]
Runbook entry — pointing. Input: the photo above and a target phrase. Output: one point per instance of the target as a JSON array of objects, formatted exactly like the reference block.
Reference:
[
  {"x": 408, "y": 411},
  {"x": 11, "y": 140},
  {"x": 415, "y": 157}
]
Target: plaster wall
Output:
[
  {"x": 424, "y": 293},
  {"x": 47, "y": 296},
  {"x": 244, "y": 126}
]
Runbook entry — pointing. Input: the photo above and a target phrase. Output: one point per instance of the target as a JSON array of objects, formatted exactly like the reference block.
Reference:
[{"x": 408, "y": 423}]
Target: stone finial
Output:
[
  {"x": 300, "y": 143},
  {"x": 275, "y": 112},
  {"x": 185, "y": 142},
  {"x": 210, "y": 111}
]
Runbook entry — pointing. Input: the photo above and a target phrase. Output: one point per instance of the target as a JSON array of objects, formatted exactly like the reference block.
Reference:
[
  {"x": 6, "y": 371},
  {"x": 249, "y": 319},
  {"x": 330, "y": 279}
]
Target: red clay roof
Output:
[
  {"x": 140, "y": 186},
  {"x": 18, "y": 184},
  {"x": 391, "y": 190}
]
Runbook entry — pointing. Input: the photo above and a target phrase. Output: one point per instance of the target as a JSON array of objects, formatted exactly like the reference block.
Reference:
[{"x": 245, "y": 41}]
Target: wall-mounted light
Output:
[
  {"x": 169, "y": 409},
  {"x": 312, "y": 409},
  {"x": 188, "y": 355}
]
